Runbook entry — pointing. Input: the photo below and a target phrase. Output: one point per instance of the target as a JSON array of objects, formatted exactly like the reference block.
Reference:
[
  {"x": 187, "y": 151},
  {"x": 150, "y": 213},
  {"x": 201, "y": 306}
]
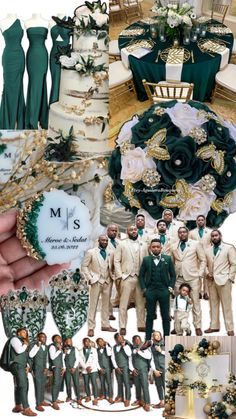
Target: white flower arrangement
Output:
[{"x": 175, "y": 15}]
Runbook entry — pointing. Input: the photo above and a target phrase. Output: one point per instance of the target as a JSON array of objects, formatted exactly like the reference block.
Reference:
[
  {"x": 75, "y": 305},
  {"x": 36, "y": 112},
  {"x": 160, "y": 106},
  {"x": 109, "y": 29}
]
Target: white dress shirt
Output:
[
  {"x": 180, "y": 304},
  {"x": 146, "y": 354},
  {"x": 18, "y": 346},
  {"x": 54, "y": 353}
]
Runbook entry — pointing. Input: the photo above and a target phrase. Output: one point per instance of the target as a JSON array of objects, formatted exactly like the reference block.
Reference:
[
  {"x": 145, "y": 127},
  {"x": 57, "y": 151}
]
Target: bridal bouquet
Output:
[{"x": 174, "y": 16}]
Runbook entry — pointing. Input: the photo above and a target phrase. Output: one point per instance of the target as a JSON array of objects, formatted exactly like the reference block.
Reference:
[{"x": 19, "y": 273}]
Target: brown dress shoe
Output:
[
  {"x": 141, "y": 329},
  {"x": 209, "y": 330},
  {"x": 206, "y": 296},
  {"x": 87, "y": 399},
  {"x": 137, "y": 403},
  {"x": 118, "y": 400},
  {"x": 147, "y": 407},
  {"x": 95, "y": 402},
  {"x": 108, "y": 329},
  {"x": 173, "y": 332},
  {"x": 198, "y": 331},
  {"x": 126, "y": 403},
  {"x": 55, "y": 406},
  {"x": 68, "y": 399},
  {"x": 40, "y": 408},
  {"x": 90, "y": 333},
  {"x": 17, "y": 409},
  {"x": 123, "y": 331},
  {"x": 160, "y": 405},
  {"x": 111, "y": 317},
  {"x": 230, "y": 333},
  {"x": 79, "y": 401},
  {"x": 110, "y": 400},
  {"x": 45, "y": 404},
  {"x": 101, "y": 398},
  {"x": 131, "y": 305},
  {"x": 28, "y": 412},
  {"x": 59, "y": 401}
]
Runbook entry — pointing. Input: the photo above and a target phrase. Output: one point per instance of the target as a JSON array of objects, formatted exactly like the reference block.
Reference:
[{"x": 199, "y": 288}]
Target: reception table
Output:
[{"x": 200, "y": 69}]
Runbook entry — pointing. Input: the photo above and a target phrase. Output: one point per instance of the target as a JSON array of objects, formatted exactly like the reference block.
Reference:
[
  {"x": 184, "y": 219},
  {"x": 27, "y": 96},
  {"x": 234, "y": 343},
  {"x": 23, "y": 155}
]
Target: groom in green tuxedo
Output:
[{"x": 157, "y": 279}]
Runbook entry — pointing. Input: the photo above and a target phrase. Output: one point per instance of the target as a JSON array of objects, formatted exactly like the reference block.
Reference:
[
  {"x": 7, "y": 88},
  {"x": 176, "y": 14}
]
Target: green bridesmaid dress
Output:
[
  {"x": 36, "y": 115},
  {"x": 60, "y": 37},
  {"x": 12, "y": 111}
]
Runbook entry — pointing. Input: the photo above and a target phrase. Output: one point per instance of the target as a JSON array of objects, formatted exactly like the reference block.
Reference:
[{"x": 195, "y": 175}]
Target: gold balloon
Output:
[
  {"x": 172, "y": 412},
  {"x": 207, "y": 408},
  {"x": 215, "y": 344},
  {"x": 168, "y": 407}
]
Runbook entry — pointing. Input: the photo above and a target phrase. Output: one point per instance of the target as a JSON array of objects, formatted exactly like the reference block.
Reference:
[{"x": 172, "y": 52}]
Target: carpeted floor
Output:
[{"x": 129, "y": 105}]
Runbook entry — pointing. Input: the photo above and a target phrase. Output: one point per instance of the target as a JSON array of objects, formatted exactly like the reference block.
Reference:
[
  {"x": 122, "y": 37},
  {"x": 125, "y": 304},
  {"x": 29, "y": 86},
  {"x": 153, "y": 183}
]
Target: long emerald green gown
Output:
[
  {"x": 36, "y": 115},
  {"x": 60, "y": 37},
  {"x": 12, "y": 109}
]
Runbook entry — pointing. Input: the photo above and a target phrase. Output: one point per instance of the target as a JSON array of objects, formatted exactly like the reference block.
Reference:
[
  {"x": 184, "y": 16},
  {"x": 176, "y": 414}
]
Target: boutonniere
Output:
[{"x": 162, "y": 259}]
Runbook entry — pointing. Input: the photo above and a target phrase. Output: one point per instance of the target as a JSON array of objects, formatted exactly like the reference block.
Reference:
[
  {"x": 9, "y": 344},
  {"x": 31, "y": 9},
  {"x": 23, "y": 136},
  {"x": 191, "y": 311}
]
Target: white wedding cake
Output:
[{"x": 82, "y": 109}]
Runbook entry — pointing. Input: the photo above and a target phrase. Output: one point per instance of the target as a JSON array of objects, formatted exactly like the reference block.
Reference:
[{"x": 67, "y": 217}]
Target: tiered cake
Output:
[{"x": 83, "y": 97}]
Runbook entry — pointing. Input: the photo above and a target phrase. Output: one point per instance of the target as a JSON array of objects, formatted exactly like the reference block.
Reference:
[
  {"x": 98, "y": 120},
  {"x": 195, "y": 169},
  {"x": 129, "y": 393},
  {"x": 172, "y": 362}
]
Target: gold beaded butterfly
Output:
[
  {"x": 154, "y": 144},
  {"x": 216, "y": 157},
  {"x": 221, "y": 203},
  {"x": 178, "y": 197},
  {"x": 128, "y": 193}
]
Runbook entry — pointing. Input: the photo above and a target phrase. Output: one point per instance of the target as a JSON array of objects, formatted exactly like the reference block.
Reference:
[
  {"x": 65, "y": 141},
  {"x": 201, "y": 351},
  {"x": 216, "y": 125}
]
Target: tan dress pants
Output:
[
  {"x": 127, "y": 287},
  {"x": 221, "y": 294},
  {"x": 96, "y": 290}
]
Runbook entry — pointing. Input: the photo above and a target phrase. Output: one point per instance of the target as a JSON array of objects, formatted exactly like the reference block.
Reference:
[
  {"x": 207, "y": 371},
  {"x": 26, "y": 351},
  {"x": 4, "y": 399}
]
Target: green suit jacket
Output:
[{"x": 168, "y": 276}]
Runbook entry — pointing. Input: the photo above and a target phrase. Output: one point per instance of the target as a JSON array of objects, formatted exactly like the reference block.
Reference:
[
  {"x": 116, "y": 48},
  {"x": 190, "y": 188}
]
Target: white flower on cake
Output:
[
  {"x": 67, "y": 61},
  {"x": 134, "y": 162},
  {"x": 125, "y": 133},
  {"x": 100, "y": 18},
  {"x": 185, "y": 117},
  {"x": 82, "y": 11},
  {"x": 199, "y": 202}
]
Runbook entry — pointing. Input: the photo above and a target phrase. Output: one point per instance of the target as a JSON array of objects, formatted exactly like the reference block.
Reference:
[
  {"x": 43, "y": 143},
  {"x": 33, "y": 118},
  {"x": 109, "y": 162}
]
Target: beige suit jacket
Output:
[
  {"x": 205, "y": 240},
  {"x": 124, "y": 258},
  {"x": 191, "y": 263},
  {"x": 94, "y": 267},
  {"x": 222, "y": 266},
  {"x": 172, "y": 231}
]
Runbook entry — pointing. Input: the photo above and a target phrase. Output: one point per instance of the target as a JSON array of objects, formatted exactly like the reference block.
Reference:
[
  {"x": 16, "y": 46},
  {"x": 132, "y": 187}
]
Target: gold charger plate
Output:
[
  {"x": 211, "y": 45},
  {"x": 164, "y": 55}
]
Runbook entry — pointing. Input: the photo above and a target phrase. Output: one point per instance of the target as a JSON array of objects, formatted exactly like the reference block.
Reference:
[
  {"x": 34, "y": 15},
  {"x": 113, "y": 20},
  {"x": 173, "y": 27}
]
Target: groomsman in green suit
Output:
[
  {"x": 140, "y": 366},
  {"x": 158, "y": 367},
  {"x": 38, "y": 360},
  {"x": 57, "y": 367},
  {"x": 104, "y": 359},
  {"x": 157, "y": 279},
  {"x": 71, "y": 361},
  {"x": 18, "y": 358},
  {"x": 121, "y": 357}
]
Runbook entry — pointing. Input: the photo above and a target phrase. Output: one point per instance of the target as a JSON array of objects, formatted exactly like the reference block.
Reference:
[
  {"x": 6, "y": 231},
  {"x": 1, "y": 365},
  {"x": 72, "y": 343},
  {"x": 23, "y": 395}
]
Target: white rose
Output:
[
  {"x": 100, "y": 18},
  {"x": 125, "y": 133},
  {"x": 133, "y": 163},
  {"x": 78, "y": 67},
  {"x": 67, "y": 61},
  {"x": 83, "y": 10},
  {"x": 199, "y": 203},
  {"x": 185, "y": 117},
  {"x": 229, "y": 411}
]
